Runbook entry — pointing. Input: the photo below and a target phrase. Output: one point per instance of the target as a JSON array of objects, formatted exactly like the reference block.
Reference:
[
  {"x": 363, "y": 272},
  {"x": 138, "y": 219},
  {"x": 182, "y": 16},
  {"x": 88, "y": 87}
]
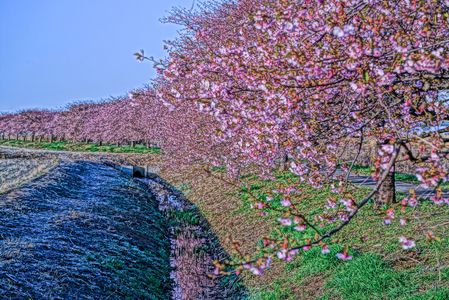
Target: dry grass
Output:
[
  {"x": 15, "y": 172},
  {"x": 86, "y": 231},
  {"x": 221, "y": 205},
  {"x": 425, "y": 268},
  {"x": 194, "y": 248}
]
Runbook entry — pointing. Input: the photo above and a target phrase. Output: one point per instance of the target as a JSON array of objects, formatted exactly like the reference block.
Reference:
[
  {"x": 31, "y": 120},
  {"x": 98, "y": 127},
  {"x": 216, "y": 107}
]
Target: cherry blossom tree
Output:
[
  {"x": 6, "y": 125},
  {"x": 312, "y": 81}
]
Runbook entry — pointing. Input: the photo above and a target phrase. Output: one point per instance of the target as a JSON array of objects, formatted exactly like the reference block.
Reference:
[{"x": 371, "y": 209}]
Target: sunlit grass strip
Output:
[{"x": 81, "y": 147}]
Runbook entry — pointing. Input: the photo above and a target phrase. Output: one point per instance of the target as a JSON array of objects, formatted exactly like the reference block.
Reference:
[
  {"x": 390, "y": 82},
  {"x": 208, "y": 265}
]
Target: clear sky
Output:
[{"x": 53, "y": 52}]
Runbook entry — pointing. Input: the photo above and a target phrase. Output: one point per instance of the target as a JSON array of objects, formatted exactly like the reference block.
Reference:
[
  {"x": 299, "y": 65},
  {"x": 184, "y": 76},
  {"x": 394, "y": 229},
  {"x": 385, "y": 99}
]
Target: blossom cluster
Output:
[{"x": 301, "y": 84}]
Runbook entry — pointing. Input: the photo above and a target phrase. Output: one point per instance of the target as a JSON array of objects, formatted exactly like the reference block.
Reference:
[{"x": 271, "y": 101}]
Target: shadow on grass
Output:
[{"x": 195, "y": 246}]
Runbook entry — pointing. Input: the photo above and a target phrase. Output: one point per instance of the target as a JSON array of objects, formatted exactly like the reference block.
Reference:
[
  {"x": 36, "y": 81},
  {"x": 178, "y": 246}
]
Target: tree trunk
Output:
[
  {"x": 283, "y": 161},
  {"x": 387, "y": 191}
]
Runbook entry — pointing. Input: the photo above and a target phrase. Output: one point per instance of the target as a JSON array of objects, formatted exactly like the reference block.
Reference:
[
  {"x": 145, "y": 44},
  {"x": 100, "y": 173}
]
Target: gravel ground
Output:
[{"x": 83, "y": 231}]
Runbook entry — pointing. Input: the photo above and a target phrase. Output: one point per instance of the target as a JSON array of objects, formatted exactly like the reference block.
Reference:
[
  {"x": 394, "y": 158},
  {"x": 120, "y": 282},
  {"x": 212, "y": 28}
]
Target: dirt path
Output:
[
  {"x": 12, "y": 152},
  {"x": 83, "y": 231}
]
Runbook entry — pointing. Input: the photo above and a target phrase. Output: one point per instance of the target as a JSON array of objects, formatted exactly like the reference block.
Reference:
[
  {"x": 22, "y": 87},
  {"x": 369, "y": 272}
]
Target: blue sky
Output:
[{"x": 53, "y": 52}]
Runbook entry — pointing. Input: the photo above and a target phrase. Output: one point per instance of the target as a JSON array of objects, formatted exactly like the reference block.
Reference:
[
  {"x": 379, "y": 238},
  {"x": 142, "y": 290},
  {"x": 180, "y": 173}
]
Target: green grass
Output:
[
  {"x": 81, "y": 147},
  {"x": 369, "y": 276},
  {"x": 380, "y": 269},
  {"x": 188, "y": 217}
]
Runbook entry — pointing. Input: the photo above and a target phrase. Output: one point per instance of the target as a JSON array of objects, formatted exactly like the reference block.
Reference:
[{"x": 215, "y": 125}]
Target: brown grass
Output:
[
  {"x": 15, "y": 172},
  {"x": 220, "y": 204}
]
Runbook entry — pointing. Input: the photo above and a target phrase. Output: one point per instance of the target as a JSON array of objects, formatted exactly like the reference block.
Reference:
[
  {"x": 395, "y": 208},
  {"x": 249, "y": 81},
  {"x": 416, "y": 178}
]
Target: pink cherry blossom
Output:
[
  {"x": 286, "y": 202},
  {"x": 406, "y": 243},
  {"x": 325, "y": 249},
  {"x": 344, "y": 256},
  {"x": 300, "y": 227},
  {"x": 285, "y": 221}
]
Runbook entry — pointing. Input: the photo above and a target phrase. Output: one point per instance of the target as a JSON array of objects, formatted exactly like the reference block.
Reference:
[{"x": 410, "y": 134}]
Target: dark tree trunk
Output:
[
  {"x": 386, "y": 194},
  {"x": 387, "y": 191},
  {"x": 283, "y": 162}
]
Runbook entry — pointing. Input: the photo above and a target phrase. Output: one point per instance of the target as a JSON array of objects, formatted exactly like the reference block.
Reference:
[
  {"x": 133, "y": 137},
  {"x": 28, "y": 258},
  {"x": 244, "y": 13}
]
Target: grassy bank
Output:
[
  {"x": 80, "y": 147},
  {"x": 380, "y": 269},
  {"x": 83, "y": 231}
]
